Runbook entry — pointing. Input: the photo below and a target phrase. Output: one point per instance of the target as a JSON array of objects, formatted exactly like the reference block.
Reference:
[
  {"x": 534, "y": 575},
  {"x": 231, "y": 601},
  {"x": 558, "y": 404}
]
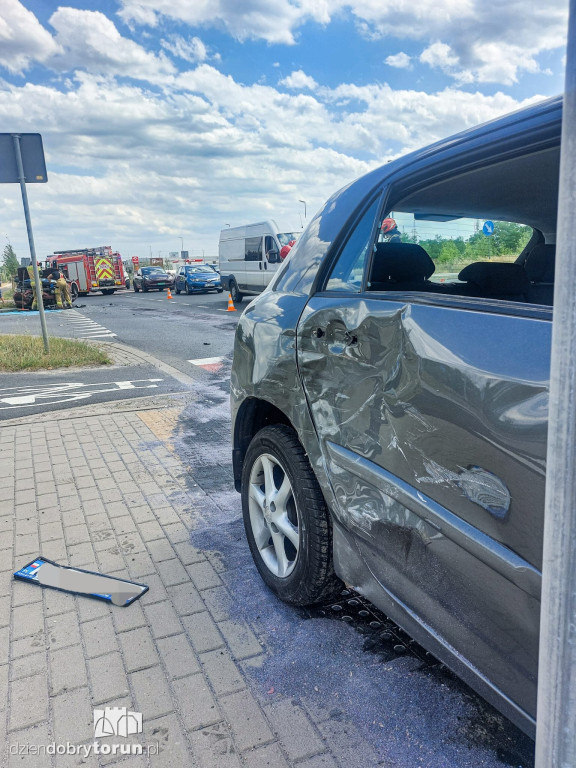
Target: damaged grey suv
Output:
[{"x": 390, "y": 400}]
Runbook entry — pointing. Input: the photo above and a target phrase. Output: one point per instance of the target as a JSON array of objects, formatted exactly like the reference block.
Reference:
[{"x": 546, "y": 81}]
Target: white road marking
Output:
[
  {"x": 206, "y": 361},
  {"x": 86, "y": 328},
  {"x": 20, "y": 397}
]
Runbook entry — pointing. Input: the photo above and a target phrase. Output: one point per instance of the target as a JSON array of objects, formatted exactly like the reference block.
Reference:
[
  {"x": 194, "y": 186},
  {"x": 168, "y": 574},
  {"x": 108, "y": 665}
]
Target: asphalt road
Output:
[{"x": 174, "y": 330}]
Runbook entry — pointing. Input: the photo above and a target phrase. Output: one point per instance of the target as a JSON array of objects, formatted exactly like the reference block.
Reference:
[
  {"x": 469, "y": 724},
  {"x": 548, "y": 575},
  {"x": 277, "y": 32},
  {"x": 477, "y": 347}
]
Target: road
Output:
[
  {"x": 410, "y": 710},
  {"x": 192, "y": 335},
  {"x": 175, "y": 331}
]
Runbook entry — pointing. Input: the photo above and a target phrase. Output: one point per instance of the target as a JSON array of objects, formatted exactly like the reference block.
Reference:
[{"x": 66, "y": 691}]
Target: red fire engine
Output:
[{"x": 90, "y": 270}]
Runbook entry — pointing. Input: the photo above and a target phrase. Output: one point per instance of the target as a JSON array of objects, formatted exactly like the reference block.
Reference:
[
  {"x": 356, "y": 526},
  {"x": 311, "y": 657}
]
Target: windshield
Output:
[
  {"x": 286, "y": 237},
  {"x": 152, "y": 270},
  {"x": 200, "y": 268}
]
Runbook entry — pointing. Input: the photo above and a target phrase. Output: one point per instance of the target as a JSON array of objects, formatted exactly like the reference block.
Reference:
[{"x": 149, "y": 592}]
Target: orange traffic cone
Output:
[
  {"x": 169, "y": 295},
  {"x": 231, "y": 307}
]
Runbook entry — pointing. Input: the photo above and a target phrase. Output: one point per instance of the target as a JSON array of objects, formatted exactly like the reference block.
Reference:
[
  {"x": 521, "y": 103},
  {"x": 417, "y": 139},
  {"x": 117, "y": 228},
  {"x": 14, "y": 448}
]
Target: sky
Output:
[{"x": 164, "y": 121}]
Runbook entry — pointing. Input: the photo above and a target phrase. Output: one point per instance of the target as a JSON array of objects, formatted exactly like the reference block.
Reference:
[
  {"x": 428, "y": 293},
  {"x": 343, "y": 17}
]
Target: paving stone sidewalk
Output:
[{"x": 107, "y": 492}]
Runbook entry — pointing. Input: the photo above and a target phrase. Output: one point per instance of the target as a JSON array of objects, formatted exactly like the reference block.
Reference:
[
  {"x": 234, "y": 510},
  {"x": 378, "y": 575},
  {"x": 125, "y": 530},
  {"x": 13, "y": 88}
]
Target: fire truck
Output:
[{"x": 90, "y": 270}]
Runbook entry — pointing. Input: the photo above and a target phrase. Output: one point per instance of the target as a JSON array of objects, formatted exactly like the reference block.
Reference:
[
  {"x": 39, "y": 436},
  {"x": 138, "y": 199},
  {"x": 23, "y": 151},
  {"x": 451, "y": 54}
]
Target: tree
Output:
[
  {"x": 10, "y": 263},
  {"x": 510, "y": 237},
  {"x": 448, "y": 252}
]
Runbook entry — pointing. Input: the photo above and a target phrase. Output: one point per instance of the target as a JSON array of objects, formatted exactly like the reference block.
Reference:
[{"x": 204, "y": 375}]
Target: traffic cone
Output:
[
  {"x": 231, "y": 307},
  {"x": 169, "y": 294}
]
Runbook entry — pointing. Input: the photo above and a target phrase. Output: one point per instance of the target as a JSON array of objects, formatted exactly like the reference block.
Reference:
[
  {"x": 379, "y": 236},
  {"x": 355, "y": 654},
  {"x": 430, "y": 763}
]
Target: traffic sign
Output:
[
  {"x": 134, "y": 259},
  {"x": 488, "y": 228}
]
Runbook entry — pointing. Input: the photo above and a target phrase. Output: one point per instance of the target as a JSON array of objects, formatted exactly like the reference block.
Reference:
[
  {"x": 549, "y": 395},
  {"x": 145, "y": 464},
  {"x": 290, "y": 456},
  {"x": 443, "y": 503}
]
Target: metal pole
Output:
[
  {"x": 556, "y": 714},
  {"x": 22, "y": 180}
]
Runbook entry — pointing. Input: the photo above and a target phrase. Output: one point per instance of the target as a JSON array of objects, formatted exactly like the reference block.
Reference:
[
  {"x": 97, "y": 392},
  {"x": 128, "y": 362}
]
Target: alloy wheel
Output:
[{"x": 274, "y": 516}]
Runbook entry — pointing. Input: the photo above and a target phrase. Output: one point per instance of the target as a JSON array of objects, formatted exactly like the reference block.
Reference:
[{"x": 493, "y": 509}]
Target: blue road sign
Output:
[{"x": 488, "y": 228}]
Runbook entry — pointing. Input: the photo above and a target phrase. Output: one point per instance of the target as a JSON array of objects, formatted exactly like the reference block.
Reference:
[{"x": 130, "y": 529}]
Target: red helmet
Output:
[{"x": 388, "y": 225}]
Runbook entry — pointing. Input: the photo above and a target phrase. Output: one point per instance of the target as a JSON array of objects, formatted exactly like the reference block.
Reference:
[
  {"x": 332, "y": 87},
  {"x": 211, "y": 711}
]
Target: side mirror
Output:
[{"x": 273, "y": 256}]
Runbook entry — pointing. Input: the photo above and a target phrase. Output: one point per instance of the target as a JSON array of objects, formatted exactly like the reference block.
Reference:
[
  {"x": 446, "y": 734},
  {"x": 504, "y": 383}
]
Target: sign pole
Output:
[
  {"x": 556, "y": 713},
  {"x": 22, "y": 180}
]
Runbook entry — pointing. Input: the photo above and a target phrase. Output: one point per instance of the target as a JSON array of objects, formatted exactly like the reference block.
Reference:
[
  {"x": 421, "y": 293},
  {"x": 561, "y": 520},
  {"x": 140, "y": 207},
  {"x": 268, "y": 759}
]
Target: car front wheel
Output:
[{"x": 287, "y": 522}]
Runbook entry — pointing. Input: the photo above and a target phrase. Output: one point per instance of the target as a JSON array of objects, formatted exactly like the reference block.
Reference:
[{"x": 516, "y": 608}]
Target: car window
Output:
[
  {"x": 347, "y": 273},
  {"x": 452, "y": 255},
  {"x": 253, "y": 249}
]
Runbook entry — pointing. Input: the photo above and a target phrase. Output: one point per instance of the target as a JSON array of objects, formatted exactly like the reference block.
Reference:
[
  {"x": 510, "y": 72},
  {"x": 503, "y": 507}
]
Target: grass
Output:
[{"x": 26, "y": 353}]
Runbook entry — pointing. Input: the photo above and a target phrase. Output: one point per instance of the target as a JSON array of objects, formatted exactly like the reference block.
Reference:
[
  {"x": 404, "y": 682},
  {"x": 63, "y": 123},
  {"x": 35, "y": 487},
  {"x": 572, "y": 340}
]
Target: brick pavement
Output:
[{"x": 106, "y": 492}]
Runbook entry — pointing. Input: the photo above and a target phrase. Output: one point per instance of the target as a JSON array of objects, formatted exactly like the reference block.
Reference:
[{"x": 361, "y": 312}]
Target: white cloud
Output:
[
  {"x": 90, "y": 41},
  {"x": 189, "y": 49},
  {"x": 494, "y": 63},
  {"x": 272, "y": 20},
  {"x": 23, "y": 39},
  {"x": 440, "y": 55},
  {"x": 299, "y": 80},
  {"x": 482, "y": 34},
  {"x": 399, "y": 61}
]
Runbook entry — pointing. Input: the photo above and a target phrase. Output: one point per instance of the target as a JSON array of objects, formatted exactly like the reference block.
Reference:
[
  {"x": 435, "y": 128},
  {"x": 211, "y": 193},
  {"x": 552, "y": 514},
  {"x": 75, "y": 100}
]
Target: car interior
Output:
[{"x": 523, "y": 190}]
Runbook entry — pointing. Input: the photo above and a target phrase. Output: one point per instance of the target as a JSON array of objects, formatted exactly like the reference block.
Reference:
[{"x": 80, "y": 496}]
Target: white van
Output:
[{"x": 249, "y": 257}]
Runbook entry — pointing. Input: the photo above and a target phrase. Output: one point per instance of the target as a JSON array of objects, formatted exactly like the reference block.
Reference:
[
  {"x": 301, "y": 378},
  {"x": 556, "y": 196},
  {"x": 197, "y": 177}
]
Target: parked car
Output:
[
  {"x": 151, "y": 278},
  {"x": 389, "y": 425},
  {"x": 198, "y": 278}
]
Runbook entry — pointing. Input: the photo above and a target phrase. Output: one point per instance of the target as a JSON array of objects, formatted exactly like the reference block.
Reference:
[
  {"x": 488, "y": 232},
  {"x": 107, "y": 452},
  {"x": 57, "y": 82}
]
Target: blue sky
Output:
[{"x": 170, "y": 118}]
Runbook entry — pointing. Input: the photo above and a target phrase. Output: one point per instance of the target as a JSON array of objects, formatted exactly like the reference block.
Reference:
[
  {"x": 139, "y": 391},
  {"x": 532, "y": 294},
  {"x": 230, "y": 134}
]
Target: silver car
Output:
[{"x": 390, "y": 400}]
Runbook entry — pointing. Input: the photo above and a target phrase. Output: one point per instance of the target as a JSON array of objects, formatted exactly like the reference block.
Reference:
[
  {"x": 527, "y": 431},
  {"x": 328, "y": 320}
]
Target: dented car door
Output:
[{"x": 432, "y": 422}]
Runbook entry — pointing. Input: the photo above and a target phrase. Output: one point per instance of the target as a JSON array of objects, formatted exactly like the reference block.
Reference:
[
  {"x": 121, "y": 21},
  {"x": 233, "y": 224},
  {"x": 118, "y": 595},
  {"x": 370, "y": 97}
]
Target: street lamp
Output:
[{"x": 303, "y": 201}]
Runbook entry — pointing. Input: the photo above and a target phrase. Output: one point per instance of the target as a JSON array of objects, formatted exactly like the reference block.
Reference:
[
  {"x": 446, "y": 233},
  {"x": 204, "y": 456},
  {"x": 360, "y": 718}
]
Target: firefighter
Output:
[
  {"x": 54, "y": 277},
  {"x": 63, "y": 300},
  {"x": 389, "y": 232},
  {"x": 30, "y": 270}
]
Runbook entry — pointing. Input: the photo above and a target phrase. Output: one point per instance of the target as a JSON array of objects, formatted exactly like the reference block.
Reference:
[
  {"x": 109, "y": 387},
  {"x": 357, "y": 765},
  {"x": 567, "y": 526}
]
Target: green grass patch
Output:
[{"x": 26, "y": 353}]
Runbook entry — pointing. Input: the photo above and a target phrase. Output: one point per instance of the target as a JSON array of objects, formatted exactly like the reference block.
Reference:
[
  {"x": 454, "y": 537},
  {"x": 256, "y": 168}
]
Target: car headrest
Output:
[
  {"x": 401, "y": 262},
  {"x": 540, "y": 262},
  {"x": 495, "y": 279}
]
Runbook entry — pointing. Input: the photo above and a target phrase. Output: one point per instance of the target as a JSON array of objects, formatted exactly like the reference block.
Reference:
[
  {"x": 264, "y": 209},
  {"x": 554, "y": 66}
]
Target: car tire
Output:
[
  {"x": 178, "y": 291},
  {"x": 219, "y": 290},
  {"x": 291, "y": 539},
  {"x": 136, "y": 289},
  {"x": 235, "y": 292},
  {"x": 74, "y": 293},
  {"x": 188, "y": 291},
  {"x": 145, "y": 290},
  {"x": 108, "y": 291}
]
